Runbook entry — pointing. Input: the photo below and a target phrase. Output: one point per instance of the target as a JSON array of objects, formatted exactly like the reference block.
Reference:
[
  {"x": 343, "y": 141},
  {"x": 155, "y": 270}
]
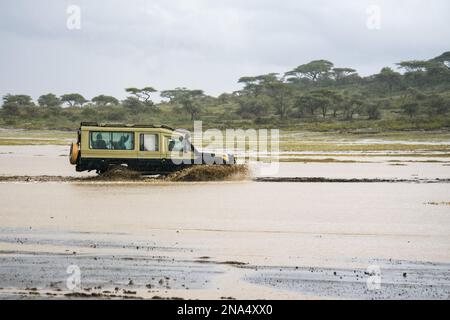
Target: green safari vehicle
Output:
[{"x": 144, "y": 148}]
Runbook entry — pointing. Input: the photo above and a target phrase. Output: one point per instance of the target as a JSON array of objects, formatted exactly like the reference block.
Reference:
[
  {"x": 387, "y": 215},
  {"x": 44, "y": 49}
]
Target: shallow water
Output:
[
  {"x": 53, "y": 160},
  {"x": 373, "y": 212},
  {"x": 260, "y": 224},
  {"x": 36, "y": 160},
  {"x": 365, "y": 170},
  {"x": 280, "y": 231}
]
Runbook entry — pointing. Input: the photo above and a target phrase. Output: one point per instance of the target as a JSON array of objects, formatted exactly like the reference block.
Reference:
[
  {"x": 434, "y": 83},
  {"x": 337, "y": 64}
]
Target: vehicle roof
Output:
[{"x": 122, "y": 125}]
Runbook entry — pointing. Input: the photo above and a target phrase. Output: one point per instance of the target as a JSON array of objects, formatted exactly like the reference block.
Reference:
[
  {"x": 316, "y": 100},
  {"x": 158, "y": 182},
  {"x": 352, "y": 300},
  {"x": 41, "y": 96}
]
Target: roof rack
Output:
[
  {"x": 96, "y": 124},
  {"x": 89, "y": 124}
]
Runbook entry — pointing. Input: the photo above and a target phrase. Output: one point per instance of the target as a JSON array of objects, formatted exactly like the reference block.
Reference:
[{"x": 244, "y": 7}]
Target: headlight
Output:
[{"x": 225, "y": 158}]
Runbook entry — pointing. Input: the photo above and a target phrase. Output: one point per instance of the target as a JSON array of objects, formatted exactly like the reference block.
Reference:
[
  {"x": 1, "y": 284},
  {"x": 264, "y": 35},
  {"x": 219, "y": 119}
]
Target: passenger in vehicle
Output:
[
  {"x": 120, "y": 145},
  {"x": 171, "y": 144},
  {"x": 99, "y": 143}
]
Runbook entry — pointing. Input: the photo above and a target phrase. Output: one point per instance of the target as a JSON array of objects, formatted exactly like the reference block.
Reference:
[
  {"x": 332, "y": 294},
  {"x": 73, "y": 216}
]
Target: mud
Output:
[
  {"x": 117, "y": 173},
  {"x": 351, "y": 180},
  {"x": 147, "y": 276},
  {"x": 211, "y": 173},
  {"x": 398, "y": 280},
  {"x": 122, "y": 174},
  {"x": 204, "y": 175}
]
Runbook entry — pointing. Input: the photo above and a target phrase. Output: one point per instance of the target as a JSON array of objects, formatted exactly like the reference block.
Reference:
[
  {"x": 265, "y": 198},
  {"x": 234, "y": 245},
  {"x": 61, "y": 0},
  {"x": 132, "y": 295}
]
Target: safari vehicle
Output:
[{"x": 145, "y": 148}]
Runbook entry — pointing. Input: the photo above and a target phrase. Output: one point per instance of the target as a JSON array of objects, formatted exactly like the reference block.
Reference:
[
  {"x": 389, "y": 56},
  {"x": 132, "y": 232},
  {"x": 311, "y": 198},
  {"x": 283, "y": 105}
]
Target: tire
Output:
[{"x": 74, "y": 153}]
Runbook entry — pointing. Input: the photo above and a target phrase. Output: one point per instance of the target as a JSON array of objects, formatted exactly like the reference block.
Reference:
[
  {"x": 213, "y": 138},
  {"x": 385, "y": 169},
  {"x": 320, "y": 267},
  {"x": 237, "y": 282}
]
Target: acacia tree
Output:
[
  {"x": 414, "y": 65},
  {"x": 426, "y": 72},
  {"x": 411, "y": 109},
  {"x": 256, "y": 85},
  {"x": 224, "y": 98},
  {"x": 252, "y": 107},
  {"x": 49, "y": 100},
  {"x": 438, "y": 105},
  {"x": 188, "y": 99},
  {"x": 314, "y": 70},
  {"x": 353, "y": 106},
  {"x": 415, "y": 71},
  {"x": 373, "y": 111},
  {"x": 251, "y": 86},
  {"x": 442, "y": 66},
  {"x": 73, "y": 99},
  {"x": 133, "y": 104},
  {"x": 318, "y": 99},
  {"x": 389, "y": 78},
  {"x": 12, "y": 104},
  {"x": 143, "y": 94},
  {"x": 337, "y": 102},
  {"x": 310, "y": 102},
  {"x": 264, "y": 88},
  {"x": 443, "y": 58},
  {"x": 328, "y": 99},
  {"x": 17, "y": 99},
  {"x": 411, "y": 94},
  {"x": 103, "y": 100},
  {"x": 341, "y": 73},
  {"x": 279, "y": 91}
]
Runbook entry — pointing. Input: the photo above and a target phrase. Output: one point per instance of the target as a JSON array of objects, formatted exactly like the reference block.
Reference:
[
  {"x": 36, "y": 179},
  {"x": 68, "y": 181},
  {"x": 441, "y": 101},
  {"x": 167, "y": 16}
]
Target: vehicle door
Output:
[
  {"x": 149, "y": 152},
  {"x": 177, "y": 150}
]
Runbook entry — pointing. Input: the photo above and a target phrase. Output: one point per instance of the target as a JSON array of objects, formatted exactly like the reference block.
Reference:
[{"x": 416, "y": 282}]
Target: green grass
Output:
[
  {"x": 36, "y": 137},
  {"x": 326, "y": 147},
  {"x": 295, "y": 141}
]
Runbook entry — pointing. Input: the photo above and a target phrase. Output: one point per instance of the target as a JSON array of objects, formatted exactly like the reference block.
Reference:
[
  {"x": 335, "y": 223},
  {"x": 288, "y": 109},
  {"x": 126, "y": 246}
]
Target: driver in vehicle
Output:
[{"x": 99, "y": 143}]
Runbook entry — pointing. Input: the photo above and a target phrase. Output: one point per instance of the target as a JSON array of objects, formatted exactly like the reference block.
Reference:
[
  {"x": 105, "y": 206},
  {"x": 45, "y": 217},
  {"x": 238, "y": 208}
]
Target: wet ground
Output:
[
  {"x": 51, "y": 160},
  {"x": 233, "y": 239}
]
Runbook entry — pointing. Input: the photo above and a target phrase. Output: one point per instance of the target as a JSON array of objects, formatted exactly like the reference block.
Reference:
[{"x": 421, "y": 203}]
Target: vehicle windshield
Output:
[{"x": 179, "y": 144}]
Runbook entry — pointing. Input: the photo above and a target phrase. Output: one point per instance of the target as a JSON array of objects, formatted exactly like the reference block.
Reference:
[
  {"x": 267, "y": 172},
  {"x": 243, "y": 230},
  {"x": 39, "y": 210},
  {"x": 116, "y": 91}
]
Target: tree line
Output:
[{"x": 314, "y": 91}]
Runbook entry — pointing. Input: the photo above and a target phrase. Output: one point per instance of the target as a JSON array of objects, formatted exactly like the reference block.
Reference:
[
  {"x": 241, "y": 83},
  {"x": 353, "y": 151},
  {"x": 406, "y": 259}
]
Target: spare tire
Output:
[{"x": 74, "y": 153}]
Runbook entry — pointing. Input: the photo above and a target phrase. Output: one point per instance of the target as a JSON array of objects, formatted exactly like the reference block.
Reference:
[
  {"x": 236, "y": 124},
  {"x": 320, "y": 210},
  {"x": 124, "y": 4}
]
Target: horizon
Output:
[{"x": 157, "y": 98}]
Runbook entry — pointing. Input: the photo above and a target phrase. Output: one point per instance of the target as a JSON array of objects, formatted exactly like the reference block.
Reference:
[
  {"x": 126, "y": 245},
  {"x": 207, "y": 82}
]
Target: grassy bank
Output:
[{"x": 332, "y": 144}]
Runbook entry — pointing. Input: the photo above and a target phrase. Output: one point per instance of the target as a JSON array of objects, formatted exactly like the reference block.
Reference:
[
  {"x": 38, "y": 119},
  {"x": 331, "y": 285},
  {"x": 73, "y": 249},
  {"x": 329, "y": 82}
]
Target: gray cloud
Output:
[{"x": 203, "y": 44}]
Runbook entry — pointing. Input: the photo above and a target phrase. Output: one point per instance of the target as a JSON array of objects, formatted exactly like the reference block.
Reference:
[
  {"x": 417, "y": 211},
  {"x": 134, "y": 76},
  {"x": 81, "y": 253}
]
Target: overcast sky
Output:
[{"x": 205, "y": 44}]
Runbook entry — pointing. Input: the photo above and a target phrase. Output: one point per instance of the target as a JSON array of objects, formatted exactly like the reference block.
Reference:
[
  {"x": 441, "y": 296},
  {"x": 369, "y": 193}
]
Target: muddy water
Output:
[
  {"x": 327, "y": 227},
  {"x": 53, "y": 161},
  {"x": 36, "y": 160},
  {"x": 240, "y": 239},
  {"x": 384, "y": 170},
  {"x": 374, "y": 212}
]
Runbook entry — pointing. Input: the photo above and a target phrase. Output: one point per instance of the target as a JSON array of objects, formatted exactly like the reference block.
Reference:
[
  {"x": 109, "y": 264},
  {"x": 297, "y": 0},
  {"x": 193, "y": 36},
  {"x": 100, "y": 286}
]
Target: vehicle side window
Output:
[
  {"x": 99, "y": 140},
  {"x": 111, "y": 140},
  {"x": 149, "y": 142}
]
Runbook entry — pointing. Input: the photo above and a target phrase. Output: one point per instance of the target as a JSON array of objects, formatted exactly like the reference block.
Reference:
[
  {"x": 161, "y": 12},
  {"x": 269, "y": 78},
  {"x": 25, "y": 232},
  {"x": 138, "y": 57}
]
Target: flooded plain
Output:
[{"x": 231, "y": 239}]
